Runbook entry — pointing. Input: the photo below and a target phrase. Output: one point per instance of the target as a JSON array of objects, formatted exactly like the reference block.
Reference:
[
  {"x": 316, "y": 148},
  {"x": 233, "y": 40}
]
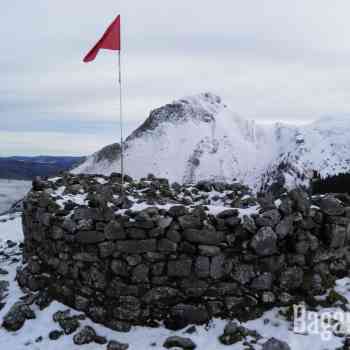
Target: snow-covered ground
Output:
[
  {"x": 12, "y": 191},
  {"x": 272, "y": 324}
]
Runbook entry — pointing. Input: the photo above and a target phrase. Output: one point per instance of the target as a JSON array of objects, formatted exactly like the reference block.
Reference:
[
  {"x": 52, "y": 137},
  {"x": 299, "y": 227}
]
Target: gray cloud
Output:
[{"x": 271, "y": 61}]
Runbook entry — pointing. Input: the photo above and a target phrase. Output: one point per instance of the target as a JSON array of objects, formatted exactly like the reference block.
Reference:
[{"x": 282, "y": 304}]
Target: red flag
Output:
[{"x": 110, "y": 41}]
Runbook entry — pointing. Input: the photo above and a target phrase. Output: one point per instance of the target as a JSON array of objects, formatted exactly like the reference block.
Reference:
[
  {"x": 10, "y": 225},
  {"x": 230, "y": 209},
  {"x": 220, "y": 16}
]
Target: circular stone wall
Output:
[{"x": 143, "y": 258}]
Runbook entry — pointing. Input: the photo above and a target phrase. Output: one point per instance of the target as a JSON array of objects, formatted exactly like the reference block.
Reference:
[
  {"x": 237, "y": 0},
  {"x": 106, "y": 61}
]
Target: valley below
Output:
[{"x": 16, "y": 174}]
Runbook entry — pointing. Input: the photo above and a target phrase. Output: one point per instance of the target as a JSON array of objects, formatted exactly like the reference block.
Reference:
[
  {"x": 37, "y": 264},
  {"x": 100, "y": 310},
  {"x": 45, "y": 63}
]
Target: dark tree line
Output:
[{"x": 337, "y": 184}]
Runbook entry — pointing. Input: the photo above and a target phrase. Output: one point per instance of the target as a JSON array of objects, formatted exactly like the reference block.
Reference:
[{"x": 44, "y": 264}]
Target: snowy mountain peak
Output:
[
  {"x": 201, "y": 108},
  {"x": 205, "y": 101},
  {"x": 199, "y": 138}
]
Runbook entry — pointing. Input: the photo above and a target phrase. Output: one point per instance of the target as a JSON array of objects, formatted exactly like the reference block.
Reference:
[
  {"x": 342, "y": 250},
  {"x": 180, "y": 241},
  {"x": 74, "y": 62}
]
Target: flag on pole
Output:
[{"x": 109, "y": 41}]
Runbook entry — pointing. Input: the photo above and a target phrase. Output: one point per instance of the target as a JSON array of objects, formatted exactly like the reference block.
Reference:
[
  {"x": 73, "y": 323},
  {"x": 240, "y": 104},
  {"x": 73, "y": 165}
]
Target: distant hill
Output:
[{"x": 26, "y": 168}]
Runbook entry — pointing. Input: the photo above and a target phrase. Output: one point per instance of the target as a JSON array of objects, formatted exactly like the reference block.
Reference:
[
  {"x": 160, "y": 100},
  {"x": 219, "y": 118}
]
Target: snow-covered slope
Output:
[
  {"x": 199, "y": 138},
  {"x": 323, "y": 146},
  {"x": 12, "y": 191}
]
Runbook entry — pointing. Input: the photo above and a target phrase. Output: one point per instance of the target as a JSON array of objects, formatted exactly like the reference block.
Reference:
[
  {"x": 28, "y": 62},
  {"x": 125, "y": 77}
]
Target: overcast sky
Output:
[{"x": 270, "y": 60}]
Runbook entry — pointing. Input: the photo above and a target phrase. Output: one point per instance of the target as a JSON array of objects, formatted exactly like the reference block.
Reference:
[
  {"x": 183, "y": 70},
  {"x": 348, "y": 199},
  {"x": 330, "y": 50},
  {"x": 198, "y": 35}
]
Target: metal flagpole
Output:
[{"x": 121, "y": 120}]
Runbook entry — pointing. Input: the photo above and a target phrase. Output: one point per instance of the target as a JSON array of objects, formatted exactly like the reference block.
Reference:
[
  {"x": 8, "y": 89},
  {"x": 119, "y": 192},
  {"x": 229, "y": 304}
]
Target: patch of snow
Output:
[
  {"x": 54, "y": 179},
  {"x": 215, "y": 210},
  {"x": 278, "y": 202},
  {"x": 11, "y": 228},
  {"x": 101, "y": 180},
  {"x": 12, "y": 191},
  {"x": 63, "y": 198}
]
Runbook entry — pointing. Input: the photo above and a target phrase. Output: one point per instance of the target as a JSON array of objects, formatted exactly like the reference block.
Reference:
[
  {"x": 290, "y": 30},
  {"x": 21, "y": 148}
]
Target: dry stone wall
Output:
[{"x": 142, "y": 262}]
